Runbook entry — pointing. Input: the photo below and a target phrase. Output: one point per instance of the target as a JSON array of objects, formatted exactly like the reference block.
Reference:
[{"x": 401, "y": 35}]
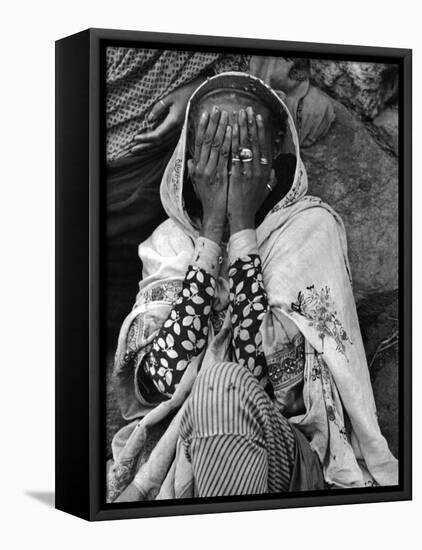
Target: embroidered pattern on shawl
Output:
[
  {"x": 285, "y": 367},
  {"x": 318, "y": 307}
]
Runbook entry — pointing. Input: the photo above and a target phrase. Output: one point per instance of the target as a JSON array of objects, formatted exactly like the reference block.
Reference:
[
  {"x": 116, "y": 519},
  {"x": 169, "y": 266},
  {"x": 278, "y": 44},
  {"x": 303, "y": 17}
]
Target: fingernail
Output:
[
  {"x": 259, "y": 117},
  {"x": 151, "y": 117},
  {"x": 204, "y": 116},
  {"x": 249, "y": 110}
]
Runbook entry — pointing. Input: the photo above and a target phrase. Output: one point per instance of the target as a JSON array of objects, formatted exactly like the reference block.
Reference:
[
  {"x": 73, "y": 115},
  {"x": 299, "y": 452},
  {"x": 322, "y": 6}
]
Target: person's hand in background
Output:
[{"x": 169, "y": 113}]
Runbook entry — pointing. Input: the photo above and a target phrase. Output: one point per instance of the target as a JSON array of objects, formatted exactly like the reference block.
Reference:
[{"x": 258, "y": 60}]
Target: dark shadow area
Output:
[{"x": 45, "y": 497}]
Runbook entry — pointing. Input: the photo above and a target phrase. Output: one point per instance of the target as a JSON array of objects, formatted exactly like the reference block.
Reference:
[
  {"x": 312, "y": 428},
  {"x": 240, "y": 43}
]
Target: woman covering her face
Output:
[{"x": 244, "y": 338}]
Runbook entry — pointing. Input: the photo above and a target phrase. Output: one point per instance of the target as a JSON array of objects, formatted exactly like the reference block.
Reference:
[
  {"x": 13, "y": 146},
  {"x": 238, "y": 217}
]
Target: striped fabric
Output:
[{"x": 237, "y": 441}]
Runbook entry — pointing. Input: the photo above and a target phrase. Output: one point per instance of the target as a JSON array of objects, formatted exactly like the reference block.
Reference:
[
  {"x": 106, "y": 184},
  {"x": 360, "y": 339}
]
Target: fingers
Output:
[
  {"x": 261, "y": 136},
  {"x": 199, "y": 138},
  {"x": 217, "y": 142},
  {"x": 264, "y": 165},
  {"x": 158, "y": 110},
  {"x": 253, "y": 133},
  {"x": 209, "y": 136},
  {"x": 244, "y": 142},
  {"x": 168, "y": 125},
  {"x": 223, "y": 158},
  {"x": 243, "y": 129},
  {"x": 235, "y": 169},
  {"x": 154, "y": 145}
]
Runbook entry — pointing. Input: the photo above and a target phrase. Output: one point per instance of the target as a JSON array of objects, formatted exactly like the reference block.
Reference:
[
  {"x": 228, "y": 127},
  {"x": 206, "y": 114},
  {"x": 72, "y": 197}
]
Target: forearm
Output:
[
  {"x": 248, "y": 301},
  {"x": 184, "y": 334}
]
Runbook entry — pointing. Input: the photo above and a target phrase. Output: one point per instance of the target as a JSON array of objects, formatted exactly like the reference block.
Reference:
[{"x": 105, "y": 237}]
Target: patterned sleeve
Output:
[
  {"x": 249, "y": 304},
  {"x": 184, "y": 334}
]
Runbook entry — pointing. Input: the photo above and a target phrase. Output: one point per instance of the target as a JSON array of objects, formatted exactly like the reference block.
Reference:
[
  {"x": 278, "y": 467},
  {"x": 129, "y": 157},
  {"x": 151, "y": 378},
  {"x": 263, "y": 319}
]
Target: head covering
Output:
[
  {"x": 302, "y": 244},
  {"x": 171, "y": 190}
]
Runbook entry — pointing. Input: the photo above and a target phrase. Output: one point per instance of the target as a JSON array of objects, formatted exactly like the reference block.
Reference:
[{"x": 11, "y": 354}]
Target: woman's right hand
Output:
[{"x": 210, "y": 171}]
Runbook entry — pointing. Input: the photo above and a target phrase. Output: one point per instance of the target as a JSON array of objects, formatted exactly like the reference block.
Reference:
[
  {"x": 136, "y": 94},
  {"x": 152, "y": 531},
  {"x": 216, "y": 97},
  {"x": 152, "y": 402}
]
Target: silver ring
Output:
[
  {"x": 235, "y": 159},
  {"x": 245, "y": 154},
  {"x": 263, "y": 160},
  {"x": 270, "y": 188},
  {"x": 246, "y": 160}
]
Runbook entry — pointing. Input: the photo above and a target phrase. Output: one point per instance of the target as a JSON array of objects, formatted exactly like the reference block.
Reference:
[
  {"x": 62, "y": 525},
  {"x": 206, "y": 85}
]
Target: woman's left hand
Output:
[
  {"x": 172, "y": 108},
  {"x": 248, "y": 180}
]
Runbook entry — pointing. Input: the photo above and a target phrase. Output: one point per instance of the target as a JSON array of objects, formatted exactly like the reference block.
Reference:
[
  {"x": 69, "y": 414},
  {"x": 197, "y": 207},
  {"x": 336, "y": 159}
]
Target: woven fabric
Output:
[{"x": 137, "y": 78}]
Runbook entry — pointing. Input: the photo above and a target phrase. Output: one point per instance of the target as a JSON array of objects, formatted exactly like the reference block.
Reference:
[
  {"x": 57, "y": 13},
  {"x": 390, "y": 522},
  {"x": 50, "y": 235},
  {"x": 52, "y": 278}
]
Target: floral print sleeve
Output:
[
  {"x": 249, "y": 304},
  {"x": 183, "y": 335}
]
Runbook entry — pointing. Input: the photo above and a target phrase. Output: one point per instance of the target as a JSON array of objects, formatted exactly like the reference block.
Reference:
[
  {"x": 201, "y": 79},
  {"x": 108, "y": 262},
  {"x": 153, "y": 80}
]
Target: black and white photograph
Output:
[
  {"x": 252, "y": 293},
  {"x": 210, "y": 240}
]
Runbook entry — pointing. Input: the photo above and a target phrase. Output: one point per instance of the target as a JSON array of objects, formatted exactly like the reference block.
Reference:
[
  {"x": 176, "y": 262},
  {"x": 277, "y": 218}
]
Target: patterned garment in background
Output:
[{"x": 137, "y": 78}]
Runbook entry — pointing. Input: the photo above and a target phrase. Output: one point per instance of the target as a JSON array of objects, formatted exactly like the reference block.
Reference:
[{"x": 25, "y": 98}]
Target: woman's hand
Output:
[
  {"x": 172, "y": 108},
  {"x": 210, "y": 171},
  {"x": 248, "y": 180}
]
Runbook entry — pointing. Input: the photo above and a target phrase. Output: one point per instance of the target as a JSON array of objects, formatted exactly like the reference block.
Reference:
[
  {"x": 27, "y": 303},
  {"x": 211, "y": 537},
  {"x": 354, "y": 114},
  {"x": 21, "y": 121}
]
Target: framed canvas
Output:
[{"x": 233, "y": 282}]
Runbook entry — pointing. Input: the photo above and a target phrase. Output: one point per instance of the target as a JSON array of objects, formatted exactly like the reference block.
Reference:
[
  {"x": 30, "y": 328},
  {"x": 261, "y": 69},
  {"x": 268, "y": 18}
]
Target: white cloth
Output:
[{"x": 242, "y": 244}]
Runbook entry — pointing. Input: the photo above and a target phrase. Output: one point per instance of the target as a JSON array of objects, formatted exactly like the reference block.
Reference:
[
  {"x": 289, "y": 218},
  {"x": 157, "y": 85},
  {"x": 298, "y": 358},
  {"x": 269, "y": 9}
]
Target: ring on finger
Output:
[
  {"x": 245, "y": 154},
  {"x": 235, "y": 158},
  {"x": 263, "y": 160},
  {"x": 246, "y": 160}
]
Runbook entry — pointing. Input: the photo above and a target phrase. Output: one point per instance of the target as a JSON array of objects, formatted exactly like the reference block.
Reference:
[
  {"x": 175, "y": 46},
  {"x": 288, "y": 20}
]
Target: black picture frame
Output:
[{"x": 80, "y": 363}]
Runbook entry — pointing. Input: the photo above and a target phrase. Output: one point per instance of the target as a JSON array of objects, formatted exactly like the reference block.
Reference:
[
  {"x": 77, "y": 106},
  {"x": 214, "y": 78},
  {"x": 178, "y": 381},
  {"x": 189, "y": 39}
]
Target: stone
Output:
[
  {"x": 380, "y": 337},
  {"x": 387, "y": 124},
  {"x": 364, "y": 87},
  {"x": 386, "y": 398},
  {"x": 350, "y": 171}
]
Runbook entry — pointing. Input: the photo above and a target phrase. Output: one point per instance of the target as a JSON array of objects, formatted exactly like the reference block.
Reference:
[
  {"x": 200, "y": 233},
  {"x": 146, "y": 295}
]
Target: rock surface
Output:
[
  {"x": 352, "y": 173},
  {"x": 364, "y": 87},
  {"x": 387, "y": 124},
  {"x": 379, "y": 323}
]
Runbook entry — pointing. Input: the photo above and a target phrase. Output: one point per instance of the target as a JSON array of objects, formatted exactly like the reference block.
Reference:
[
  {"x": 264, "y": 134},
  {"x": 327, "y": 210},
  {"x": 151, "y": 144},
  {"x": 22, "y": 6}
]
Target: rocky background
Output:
[
  {"x": 347, "y": 116},
  {"x": 354, "y": 168}
]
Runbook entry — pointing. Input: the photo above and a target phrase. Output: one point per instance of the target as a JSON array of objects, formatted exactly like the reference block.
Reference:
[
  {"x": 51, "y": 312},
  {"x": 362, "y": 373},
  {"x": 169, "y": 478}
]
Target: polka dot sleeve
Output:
[
  {"x": 184, "y": 334},
  {"x": 248, "y": 302}
]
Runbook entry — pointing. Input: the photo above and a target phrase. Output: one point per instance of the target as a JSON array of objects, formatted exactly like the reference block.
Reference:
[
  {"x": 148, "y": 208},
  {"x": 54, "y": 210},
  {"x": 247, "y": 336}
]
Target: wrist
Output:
[
  {"x": 241, "y": 244},
  {"x": 207, "y": 256},
  {"x": 240, "y": 223},
  {"x": 213, "y": 230}
]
